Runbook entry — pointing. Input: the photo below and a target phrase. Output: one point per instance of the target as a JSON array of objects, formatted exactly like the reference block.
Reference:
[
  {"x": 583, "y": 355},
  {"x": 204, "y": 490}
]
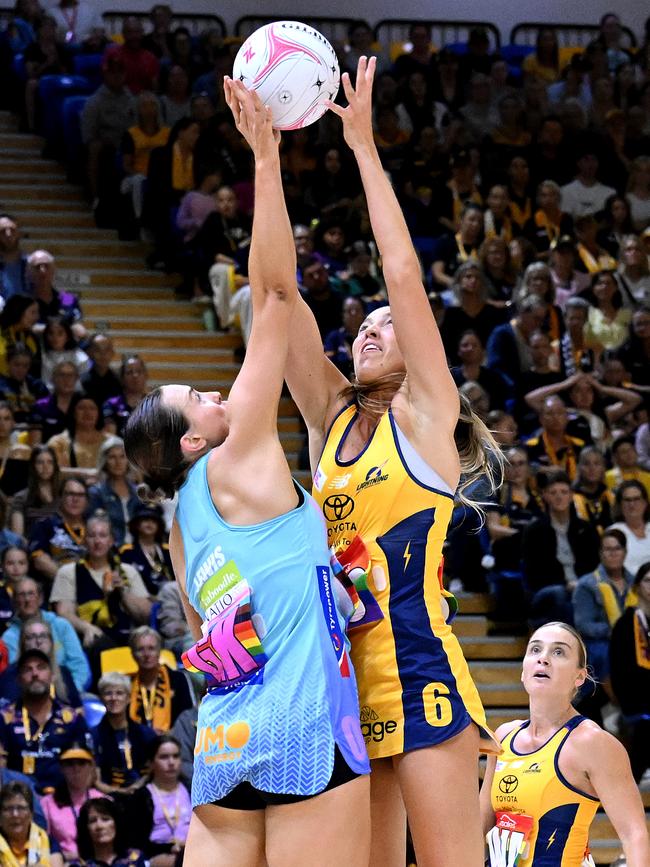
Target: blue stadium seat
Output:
[
  {"x": 457, "y": 47},
  {"x": 18, "y": 67},
  {"x": 514, "y": 55},
  {"x": 73, "y": 147},
  {"x": 52, "y": 91},
  {"x": 90, "y": 66}
]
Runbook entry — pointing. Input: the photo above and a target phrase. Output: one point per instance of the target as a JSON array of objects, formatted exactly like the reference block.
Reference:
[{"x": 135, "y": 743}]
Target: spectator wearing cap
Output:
[
  {"x": 148, "y": 552},
  {"x": 158, "y": 694},
  {"x": 106, "y": 116},
  {"x": 549, "y": 222},
  {"x": 28, "y": 598},
  {"x": 141, "y": 66},
  {"x": 77, "y": 448},
  {"x": 626, "y": 465},
  {"x": 567, "y": 280},
  {"x": 13, "y": 262},
  {"x": 100, "y": 381},
  {"x": 41, "y": 273},
  {"x": 61, "y": 807},
  {"x": 60, "y": 538},
  {"x": 115, "y": 493},
  {"x": 22, "y": 841},
  {"x": 585, "y": 195},
  {"x": 121, "y": 745},
  {"x": 38, "y": 728}
]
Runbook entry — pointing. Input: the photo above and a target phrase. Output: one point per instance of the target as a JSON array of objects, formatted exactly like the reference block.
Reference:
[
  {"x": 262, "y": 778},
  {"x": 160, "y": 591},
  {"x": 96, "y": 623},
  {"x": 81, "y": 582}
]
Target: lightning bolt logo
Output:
[
  {"x": 407, "y": 555},
  {"x": 551, "y": 840}
]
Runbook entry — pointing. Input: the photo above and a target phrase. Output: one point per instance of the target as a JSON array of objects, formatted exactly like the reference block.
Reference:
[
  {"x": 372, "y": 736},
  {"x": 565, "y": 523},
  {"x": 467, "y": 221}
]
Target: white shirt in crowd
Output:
[
  {"x": 638, "y": 550},
  {"x": 579, "y": 200}
]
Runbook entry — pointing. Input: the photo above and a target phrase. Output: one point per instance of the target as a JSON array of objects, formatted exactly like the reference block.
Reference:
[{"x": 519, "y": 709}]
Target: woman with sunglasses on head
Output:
[
  {"x": 540, "y": 796},
  {"x": 279, "y": 756},
  {"x": 387, "y": 453}
]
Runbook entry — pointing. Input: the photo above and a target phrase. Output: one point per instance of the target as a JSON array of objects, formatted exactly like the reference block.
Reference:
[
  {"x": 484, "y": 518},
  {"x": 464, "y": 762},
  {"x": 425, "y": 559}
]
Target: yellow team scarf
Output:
[
  {"x": 152, "y": 707},
  {"x": 182, "y": 170},
  {"x": 521, "y": 215},
  {"x": 604, "y": 262},
  {"x": 613, "y": 609},
  {"x": 491, "y": 229},
  {"x": 459, "y": 203},
  {"x": 552, "y": 230},
  {"x": 38, "y": 850},
  {"x": 641, "y": 640},
  {"x": 463, "y": 255}
]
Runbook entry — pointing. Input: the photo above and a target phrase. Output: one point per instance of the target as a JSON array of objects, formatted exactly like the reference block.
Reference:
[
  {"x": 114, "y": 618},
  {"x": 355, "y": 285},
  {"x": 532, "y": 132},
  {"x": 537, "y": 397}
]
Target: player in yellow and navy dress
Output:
[
  {"x": 386, "y": 463},
  {"x": 540, "y": 796}
]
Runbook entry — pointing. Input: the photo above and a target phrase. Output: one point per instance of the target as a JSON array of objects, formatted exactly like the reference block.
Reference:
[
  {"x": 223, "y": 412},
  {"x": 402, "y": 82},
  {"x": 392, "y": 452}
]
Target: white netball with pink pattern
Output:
[{"x": 294, "y": 70}]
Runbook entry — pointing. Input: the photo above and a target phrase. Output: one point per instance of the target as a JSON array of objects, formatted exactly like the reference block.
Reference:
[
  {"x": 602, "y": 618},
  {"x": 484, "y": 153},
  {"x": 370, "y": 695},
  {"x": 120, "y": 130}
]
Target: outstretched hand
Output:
[
  {"x": 252, "y": 118},
  {"x": 357, "y": 116}
]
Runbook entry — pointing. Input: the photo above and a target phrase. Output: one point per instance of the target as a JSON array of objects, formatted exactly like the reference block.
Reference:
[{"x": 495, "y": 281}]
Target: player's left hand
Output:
[
  {"x": 253, "y": 119},
  {"x": 357, "y": 116}
]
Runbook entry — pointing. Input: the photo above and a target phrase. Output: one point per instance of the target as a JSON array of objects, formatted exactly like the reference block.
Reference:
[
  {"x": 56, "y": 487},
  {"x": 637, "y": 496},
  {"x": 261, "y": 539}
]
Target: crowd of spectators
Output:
[{"x": 526, "y": 189}]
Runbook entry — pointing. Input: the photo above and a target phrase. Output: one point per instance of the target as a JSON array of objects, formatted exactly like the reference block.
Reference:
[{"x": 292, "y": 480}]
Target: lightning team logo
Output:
[
  {"x": 551, "y": 839},
  {"x": 407, "y": 555}
]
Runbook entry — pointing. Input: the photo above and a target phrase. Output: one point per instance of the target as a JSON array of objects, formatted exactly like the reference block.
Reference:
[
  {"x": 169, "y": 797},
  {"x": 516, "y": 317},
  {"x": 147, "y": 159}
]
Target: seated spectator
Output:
[
  {"x": 338, "y": 343},
  {"x": 139, "y": 140},
  {"x": 47, "y": 55},
  {"x": 626, "y": 465},
  {"x": 41, "y": 272},
  {"x": 635, "y": 352},
  {"x": 100, "y": 596},
  {"x": 330, "y": 244},
  {"x": 567, "y": 280},
  {"x": 114, "y": 493},
  {"x": 471, "y": 353},
  {"x": 141, "y": 67},
  {"x": 320, "y": 295},
  {"x": 638, "y": 193},
  {"x": 13, "y": 262},
  {"x": 420, "y": 108},
  {"x": 633, "y": 513},
  {"x": 20, "y": 31},
  {"x": 197, "y": 205},
  {"x": 574, "y": 354},
  {"x": 158, "y": 693},
  {"x": 479, "y": 115},
  {"x": 453, "y": 197},
  {"x": 220, "y": 252},
  {"x": 172, "y": 623},
  {"x": 148, "y": 552},
  {"x": 14, "y": 454},
  {"x": 471, "y": 311},
  {"x": 60, "y": 344},
  {"x": 17, "y": 320},
  {"x": 456, "y": 250},
  {"x": 184, "y": 54},
  {"x": 544, "y": 62},
  {"x": 211, "y": 83},
  {"x": 521, "y": 204},
  {"x": 39, "y": 499},
  {"x": 101, "y": 837},
  {"x": 184, "y": 731},
  {"x": 503, "y": 428},
  {"x": 62, "y": 806},
  {"x": 507, "y": 348},
  {"x": 537, "y": 281},
  {"x": 35, "y": 633},
  {"x": 552, "y": 448},
  {"x": 164, "y": 796},
  {"x": 22, "y": 841},
  {"x": 68, "y": 653},
  {"x": 592, "y": 499},
  {"x": 78, "y": 23},
  {"x": 361, "y": 43},
  {"x": 53, "y": 414},
  {"x": 120, "y": 745},
  {"x": 633, "y": 272},
  {"x": 585, "y": 399},
  {"x": 549, "y": 222},
  {"x": 100, "y": 382},
  {"x": 616, "y": 224},
  {"x": 509, "y": 135},
  {"x": 175, "y": 100},
  {"x": 629, "y": 656},
  {"x": 600, "y": 598},
  {"x": 357, "y": 279},
  {"x": 133, "y": 379},
  {"x": 557, "y": 548},
  {"x": 158, "y": 40},
  {"x": 496, "y": 261},
  {"x": 105, "y": 117},
  {"x": 7, "y": 538},
  {"x": 420, "y": 56},
  {"x": 585, "y": 195},
  {"x": 496, "y": 218},
  {"x": 19, "y": 388},
  {"x": 591, "y": 258},
  {"x": 610, "y": 38},
  {"x": 60, "y": 538},
  {"x": 608, "y": 321},
  {"x": 14, "y": 562},
  {"x": 77, "y": 448},
  {"x": 37, "y": 728}
]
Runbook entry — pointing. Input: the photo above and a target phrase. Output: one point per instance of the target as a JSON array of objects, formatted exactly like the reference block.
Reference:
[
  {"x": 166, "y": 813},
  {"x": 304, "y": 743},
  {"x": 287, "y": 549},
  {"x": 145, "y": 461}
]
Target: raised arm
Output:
[
  {"x": 535, "y": 399},
  {"x": 432, "y": 391},
  {"x": 626, "y": 399},
  {"x": 255, "y": 395}
]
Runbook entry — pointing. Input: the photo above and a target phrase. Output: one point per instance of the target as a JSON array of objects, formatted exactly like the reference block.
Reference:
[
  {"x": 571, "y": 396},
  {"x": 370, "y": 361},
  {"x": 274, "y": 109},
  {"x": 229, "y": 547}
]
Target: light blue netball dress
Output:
[{"x": 281, "y": 689}]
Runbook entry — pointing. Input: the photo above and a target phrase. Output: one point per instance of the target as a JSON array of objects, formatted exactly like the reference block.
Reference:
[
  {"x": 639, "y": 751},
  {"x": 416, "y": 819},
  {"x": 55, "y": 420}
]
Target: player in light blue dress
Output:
[{"x": 280, "y": 770}]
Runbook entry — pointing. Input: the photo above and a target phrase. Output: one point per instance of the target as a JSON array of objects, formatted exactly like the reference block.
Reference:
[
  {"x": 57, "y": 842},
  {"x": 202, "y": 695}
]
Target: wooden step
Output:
[
  {"x": 23, "y": 178},
  {"x": 80, "y": 218},
  {"x": 126, "y": 307},
  {"x": 20, "y": 140},
  {"x": 36, "y": 167},
  {"x": 500, "y": 674},
  {"x": 497, "y": 716},
  {"x": 475, "y": 603},
  {"x": 155, "y": 323},
  {"x": 493, "y": 695},
  {"x": 126, "y": 341},
  {"x": 492, "y": 647},
  {"x": 470, "y": 624},
  {"x": 33, "y": 193}
]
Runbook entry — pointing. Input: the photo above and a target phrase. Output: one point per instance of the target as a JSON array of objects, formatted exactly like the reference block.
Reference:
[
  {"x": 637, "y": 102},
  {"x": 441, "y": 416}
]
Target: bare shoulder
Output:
[
  {"x": 593, "y": 742},
  {"x": 507, "y": 727}
]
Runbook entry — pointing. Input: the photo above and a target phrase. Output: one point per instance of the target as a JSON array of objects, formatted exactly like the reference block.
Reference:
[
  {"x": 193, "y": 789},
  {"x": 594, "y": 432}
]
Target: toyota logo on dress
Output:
[
  {"x": 508, "y": 784},
  {"x": 338, "y": 507}
]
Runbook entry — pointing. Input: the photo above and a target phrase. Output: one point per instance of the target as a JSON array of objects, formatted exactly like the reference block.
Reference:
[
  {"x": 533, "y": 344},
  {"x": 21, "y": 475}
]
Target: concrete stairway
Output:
[{"x": 138, "y": 309}]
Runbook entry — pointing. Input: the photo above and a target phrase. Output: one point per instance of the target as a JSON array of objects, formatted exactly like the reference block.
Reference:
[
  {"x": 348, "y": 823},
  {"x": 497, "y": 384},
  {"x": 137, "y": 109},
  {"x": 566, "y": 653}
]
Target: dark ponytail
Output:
[{"x": 152, "y": 441}]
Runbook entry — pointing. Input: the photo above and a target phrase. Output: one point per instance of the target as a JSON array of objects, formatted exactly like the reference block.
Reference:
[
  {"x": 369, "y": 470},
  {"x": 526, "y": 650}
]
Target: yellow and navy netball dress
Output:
[
  {"x": 415, "y": 688},
  {"x": 541, "y": 819}
]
